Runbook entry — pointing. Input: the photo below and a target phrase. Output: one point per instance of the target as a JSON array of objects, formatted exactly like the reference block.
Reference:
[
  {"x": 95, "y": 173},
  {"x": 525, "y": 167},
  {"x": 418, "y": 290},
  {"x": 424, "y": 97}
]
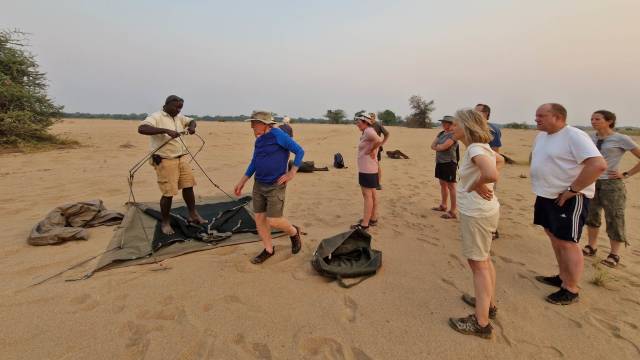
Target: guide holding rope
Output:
[{"x": 168, "y": 158}]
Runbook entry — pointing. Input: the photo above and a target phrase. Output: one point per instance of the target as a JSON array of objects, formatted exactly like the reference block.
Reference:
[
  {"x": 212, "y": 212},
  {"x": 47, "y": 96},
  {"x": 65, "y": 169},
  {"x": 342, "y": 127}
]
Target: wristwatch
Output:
[
  {"x": 571, "y": 190},
  {"x": 625, "y": 175}
]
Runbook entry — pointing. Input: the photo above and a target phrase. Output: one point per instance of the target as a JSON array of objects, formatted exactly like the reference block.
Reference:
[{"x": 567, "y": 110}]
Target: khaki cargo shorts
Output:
[
  {"x": 269, "y": 199},
  {"x": 173, "y": 175},
  {"x": 611, "y": 196},
  {"x": 476, "y": 233}
]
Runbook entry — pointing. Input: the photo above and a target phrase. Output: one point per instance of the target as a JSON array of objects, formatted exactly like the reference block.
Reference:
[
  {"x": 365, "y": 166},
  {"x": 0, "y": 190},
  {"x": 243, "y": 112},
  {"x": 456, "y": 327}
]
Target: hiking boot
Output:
[
  {"x": 471, "y": 301},
  {"x": 550, "y": 280},
  {"x": 264, "y": 255},
  {"x": 563, "y": 297},
  {"x": 469, "y": 326},
  {"x": 296, "y": 243}
]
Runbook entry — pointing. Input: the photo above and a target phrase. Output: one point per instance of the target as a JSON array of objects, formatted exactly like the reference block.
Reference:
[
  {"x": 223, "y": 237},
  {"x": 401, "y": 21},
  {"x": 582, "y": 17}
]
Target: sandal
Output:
[
  {"x": 359, "y": 227},
  {"x": 371, "y": 222},
  {"x": 449, "y": 215},
  {"x": 589, "y": 251},
  {"x": 439, "y": 208},
  {"x": 611, "y": 261}
]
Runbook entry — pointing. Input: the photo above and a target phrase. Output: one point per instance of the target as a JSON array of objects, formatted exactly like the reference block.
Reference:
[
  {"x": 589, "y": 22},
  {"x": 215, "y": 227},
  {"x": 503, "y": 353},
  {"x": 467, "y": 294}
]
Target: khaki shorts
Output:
[
  {"x": 476, "y": 235},
  {"x": 611, "y": 196},
  {"x": 269, "y": 199},
  {"x": 173, "y": 175}
]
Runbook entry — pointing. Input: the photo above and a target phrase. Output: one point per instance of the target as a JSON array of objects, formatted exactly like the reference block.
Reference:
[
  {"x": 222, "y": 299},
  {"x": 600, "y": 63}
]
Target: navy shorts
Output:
[
  {"x": 447, "y": 171},
  {"x": 566, "y": 222},
  {"x": 368, "y": 180}
]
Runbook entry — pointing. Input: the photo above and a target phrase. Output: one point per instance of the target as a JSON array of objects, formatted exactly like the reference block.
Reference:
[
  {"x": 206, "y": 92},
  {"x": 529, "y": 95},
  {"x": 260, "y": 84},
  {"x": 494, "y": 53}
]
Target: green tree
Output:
[
  {"x": 421, "y": 115},
  {"x": 336, "y": 116},
  {"x": 388, "y": 117},
  {"x": 26, "y": 112}
]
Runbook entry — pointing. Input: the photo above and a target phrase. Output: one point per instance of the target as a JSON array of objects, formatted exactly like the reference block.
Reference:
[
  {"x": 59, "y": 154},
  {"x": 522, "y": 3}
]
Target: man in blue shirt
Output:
[
  {"x": 495, "y": 144},
  {"x": 269, "y": 164}
]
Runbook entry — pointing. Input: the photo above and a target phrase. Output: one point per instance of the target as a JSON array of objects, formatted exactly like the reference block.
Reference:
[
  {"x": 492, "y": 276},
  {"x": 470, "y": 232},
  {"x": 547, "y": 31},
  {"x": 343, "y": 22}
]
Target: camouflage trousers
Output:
[{"x": 611, "y": 196}]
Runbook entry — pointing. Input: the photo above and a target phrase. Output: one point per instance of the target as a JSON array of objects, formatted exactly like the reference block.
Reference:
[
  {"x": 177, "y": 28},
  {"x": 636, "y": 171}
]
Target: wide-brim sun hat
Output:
[
  {"x": 364, "y": 117},
  {"x": 264, "y": 117}
]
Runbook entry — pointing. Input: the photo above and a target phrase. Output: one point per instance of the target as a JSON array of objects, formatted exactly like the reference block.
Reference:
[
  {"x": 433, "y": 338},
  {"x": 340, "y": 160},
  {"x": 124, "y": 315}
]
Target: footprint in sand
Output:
[
  {"x": 351, "y": 308},
  {"x": 202, "y": 347},
  {"x": 450, "y": 283},
  {"x": 322, "y": 348},
  {"x": 85, "y": 302},
  {"x": 138, "y": 338},
  {"x": 255, "y": 350},
  {"x": 425, "y": 240},
  {"x": 528, "y": 278},
  {"x": 457, "y": 260},
  {"x": 511, "y": 261},
  {"x": 119, "y": 303},
  {"x": 167, "y": 311}
]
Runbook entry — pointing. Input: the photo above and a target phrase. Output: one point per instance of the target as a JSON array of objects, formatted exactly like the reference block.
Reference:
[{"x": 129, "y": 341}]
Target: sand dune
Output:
[{"x": 216, "y": 305}]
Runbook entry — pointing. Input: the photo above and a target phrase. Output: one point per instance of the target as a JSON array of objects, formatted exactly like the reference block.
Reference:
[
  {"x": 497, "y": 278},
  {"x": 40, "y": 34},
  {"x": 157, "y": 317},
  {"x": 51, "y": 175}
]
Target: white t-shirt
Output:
[
  {"x": 470, "y": 203},
  {"x": 557, "y": 160}
]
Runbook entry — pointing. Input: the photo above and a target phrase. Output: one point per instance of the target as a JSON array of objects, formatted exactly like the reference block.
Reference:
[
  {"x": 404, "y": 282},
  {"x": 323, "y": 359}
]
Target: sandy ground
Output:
[{"x": 215, "y": 304}]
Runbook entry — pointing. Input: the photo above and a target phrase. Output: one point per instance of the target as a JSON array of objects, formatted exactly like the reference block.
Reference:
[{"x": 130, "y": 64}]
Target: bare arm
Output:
[
  {"x": 593, "y": 168},
  {"x": 191, "y": 127},
  {"x": 488, "y": 175},
  {"x": 634, "y": 170},
  {"x": 146, "y": 129},
  {"x": 444, "y": 146},
  {"x": 385, "y": 138}
]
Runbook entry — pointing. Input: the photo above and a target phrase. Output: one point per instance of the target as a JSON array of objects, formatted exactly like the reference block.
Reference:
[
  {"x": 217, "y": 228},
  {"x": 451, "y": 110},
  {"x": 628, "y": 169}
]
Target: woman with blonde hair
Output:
[
  {"x": 368, "y": 170},
  {"x": 479, "y": 213}
]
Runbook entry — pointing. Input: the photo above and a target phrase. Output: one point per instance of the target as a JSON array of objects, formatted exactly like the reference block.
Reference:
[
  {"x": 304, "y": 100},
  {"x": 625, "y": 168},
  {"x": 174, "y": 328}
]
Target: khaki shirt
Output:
[{"x": 161, "y": 119}]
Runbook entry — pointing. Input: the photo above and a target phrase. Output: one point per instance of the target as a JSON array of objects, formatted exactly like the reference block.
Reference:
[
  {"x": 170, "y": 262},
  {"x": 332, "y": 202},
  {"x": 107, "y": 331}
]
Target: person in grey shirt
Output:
[
  {"x": 610, "y": 194},
  {"x": 446, "y": 167}
]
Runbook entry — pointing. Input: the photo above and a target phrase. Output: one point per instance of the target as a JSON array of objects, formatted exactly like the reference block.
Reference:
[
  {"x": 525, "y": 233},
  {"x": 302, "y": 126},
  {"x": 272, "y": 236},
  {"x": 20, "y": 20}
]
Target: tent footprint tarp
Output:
[{"x": 139, "y": 240}]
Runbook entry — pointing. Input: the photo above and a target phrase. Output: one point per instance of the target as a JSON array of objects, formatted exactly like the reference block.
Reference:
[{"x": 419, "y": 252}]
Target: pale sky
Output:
[{"x": 303, "y": 57}]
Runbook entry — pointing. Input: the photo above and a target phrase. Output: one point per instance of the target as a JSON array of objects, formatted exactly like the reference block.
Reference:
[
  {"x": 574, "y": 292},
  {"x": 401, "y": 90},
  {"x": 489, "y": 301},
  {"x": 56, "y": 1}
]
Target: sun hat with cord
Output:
[
  {"x": 365, "y": 118},
  {"x": 264, "y": 117}
]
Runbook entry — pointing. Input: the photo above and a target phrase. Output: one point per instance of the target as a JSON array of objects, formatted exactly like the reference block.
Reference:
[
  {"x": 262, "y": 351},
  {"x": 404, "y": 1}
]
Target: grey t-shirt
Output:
[
  {"x": 448, "y": 155},
  {"x": 612, "y": 149}
]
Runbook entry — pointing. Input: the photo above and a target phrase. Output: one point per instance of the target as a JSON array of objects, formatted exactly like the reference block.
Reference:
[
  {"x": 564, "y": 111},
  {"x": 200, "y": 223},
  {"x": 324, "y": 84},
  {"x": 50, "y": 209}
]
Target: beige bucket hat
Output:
[{"x": 262, "y": 116}]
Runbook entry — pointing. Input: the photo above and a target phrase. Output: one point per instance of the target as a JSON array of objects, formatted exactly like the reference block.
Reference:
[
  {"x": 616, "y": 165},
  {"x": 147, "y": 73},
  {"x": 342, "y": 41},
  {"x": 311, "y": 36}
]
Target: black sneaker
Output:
[
  {"x": 469, "y": 326},
  {"x": 264, "y": 255},
  {"x": 550, "y": 280},
  {"x": 471, "y": 301},
  {"x": 296, "y": 243},
  {"x": 563, "y": 297}
]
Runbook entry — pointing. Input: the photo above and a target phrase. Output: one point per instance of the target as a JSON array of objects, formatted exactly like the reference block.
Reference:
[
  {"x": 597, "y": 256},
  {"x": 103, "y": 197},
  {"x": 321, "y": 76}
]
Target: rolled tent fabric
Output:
[{"x": 69, "y": 222}]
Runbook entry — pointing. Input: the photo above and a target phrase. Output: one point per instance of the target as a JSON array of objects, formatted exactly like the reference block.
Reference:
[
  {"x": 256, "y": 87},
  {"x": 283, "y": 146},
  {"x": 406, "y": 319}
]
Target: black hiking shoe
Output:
[
  {"x": 296, "y": 243},
  {"x": 469, "y": 326},
  {"x": 264, "y": 255},
  {"x": 471, "y": 301},
  {"x": 563, "y": 297},
  {"x": 550, "y": 280}
]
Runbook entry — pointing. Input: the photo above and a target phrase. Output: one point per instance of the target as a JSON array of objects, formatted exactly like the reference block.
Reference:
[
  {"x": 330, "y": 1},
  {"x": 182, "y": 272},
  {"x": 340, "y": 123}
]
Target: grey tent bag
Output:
[{"x": 347, "y": 255}]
